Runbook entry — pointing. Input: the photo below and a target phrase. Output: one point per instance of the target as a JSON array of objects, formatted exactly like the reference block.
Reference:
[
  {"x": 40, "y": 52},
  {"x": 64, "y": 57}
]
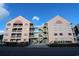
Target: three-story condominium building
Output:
[
  {"x": 58, "y": 30},
  {"x": 18, "y": 30}
]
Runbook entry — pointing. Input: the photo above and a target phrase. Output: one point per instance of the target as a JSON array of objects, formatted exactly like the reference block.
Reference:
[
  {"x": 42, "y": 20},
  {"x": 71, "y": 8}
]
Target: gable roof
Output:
[
  {"x": 20, "y": 18},
  {"x": 58, "y": 18}
]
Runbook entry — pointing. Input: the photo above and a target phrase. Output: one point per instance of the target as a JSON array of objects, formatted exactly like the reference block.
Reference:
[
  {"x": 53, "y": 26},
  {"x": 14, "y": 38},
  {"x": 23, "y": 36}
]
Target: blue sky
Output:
[{"x": 44, "y": 12}]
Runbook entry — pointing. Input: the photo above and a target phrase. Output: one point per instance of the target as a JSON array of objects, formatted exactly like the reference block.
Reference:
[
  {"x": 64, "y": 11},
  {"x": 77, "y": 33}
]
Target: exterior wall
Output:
[
  {"x": 62, "y": 27},
  {"x": 24, "y": 32}
]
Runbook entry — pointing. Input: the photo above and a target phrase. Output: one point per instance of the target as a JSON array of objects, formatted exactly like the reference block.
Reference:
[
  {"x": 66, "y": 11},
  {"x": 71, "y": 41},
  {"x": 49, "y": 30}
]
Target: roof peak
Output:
[
  {"x": 20, "y": 18},
  {"x": 58, "y": 17},
  {"x": 23, "y": 18}
]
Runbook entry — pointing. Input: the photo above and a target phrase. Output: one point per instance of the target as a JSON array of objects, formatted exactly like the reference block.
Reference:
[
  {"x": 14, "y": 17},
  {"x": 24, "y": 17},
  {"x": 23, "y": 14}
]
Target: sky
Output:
[{"x": 38, "y": 13}]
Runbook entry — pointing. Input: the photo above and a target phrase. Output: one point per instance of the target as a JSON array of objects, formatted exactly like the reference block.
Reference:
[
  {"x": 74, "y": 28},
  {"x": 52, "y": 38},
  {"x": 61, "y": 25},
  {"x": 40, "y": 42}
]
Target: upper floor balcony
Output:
[{"x": 17, "y": 25}]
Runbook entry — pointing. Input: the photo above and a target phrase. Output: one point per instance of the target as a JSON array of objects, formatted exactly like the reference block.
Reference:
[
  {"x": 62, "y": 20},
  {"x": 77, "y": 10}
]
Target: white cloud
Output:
[
  {"x": 35, "y": 18},
  {"x": 2, "y": 4},
  {"x": 1, "y": 31},
  {"x": 3, "y": 12}
]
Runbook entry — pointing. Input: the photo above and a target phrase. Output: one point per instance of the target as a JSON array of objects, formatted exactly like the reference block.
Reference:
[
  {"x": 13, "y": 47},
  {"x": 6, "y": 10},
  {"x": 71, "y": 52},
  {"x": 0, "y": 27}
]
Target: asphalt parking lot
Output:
[{"x": 23, "y": 51}]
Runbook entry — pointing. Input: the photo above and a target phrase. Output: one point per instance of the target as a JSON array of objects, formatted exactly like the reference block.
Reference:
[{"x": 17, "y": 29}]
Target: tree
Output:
[{"x": 1, "y": 37}]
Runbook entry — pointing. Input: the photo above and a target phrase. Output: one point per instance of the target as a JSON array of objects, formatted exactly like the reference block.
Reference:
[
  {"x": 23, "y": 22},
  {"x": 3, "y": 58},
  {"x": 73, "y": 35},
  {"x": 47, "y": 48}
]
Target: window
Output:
[
  {"x": 14, "y": 29},
  {"x": 19, "y": 28},
  {"x": 55, "y": 34},
  {"x": 18, "y": 40},
  {"x": 12, "y": 40},
  {"x": 15, "y": 40},
  {"x": 13, "y": 35},
  {"x": 24, "y": 39},
  {"x": 60, "y": 34},
  {"x": 58, "y": 42},
  {"x": 17, "y": 24},
  {"x": 69, "y": 34},
  {"x": 19, "y": 34},
  {"x": 68, "y": 41},
  {"x": 20, "y": 24},
  {"x": 16, "y": 35}
]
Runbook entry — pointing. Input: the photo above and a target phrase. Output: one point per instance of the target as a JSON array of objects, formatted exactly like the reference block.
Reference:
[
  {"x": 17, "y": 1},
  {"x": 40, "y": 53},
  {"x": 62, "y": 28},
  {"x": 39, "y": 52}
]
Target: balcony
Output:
[
  {"x": 31, "y": 36},
  {"x": 17, "y": 25},
  {"x": 17, "y": 30},
  {"x": 15, "y": 40},
  {"x": 15, "y": 37}
]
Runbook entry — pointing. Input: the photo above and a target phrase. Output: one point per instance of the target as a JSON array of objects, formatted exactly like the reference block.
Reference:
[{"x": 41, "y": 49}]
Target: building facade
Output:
[
  {"x": 18, "y": 30},
  {"x": 58, "y": 30}
]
